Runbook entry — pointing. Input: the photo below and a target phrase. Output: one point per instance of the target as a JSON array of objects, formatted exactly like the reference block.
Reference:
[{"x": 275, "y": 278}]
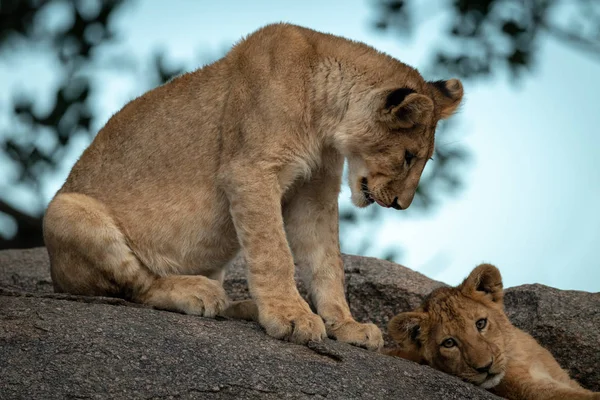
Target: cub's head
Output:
[
  {"x": 388, "y": 147},
  {"x": 459, "y": 330}
]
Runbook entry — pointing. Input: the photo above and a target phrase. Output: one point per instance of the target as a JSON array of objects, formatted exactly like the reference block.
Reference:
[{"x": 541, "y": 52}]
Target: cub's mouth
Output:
[{"x": 370, "y": 198}]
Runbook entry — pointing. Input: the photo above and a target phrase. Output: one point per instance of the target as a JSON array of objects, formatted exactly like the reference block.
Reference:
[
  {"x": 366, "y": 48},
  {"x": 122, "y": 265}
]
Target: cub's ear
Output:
[
  {"x": 405, "y": 328},
  {"x": 484, "y": 279},
  {"x": 403, "y": 108},
  {"x": 447, "y": 95}
]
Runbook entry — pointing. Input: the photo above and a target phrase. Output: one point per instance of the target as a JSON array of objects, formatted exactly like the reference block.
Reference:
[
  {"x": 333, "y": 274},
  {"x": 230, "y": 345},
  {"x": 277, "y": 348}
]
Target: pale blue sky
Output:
[{"x": 530, "y": 203}]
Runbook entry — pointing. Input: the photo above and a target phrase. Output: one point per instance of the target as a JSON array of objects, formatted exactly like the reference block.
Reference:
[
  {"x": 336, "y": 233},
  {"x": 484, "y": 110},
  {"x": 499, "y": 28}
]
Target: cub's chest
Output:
[
  {"x": 539, "y": 373},
  {"x": 298, "y": 170},
  {"x": 315, "y": 165}
]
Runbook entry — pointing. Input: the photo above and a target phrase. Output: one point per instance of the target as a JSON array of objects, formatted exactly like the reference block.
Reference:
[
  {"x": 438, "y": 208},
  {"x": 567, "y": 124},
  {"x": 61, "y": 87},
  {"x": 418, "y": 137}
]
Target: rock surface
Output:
[
  {"x": 566, "y": 322},
  {"x": 61, "y": 346},
  {"x": 56, "y": 349}
]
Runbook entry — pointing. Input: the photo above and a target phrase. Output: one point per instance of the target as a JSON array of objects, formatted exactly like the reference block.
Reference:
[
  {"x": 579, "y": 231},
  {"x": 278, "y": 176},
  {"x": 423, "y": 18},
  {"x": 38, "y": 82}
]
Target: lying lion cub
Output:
[
  {"x": 464, "y": 331},
  {"x": 247, "y": 153}
]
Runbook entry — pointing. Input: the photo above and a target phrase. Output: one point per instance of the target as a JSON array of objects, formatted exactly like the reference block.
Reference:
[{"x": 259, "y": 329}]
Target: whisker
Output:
[{"x": 451, "y": 142}]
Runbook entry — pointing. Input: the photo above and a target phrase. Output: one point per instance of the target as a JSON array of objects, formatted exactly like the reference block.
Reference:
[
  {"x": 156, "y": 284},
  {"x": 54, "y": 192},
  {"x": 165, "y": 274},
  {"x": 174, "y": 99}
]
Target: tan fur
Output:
[
  {"x": 518, "y": 367},
  {"x": 246, "y": 153}
]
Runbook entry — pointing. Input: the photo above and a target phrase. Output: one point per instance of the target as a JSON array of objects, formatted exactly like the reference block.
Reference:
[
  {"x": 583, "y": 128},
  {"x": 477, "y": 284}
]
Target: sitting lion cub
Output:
[
  {"x": 464, "y": 331},
  {"x": 247, "y": 154}
]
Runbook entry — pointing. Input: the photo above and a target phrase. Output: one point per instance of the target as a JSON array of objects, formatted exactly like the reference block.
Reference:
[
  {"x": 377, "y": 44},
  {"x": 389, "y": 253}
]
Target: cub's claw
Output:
[{"x": 296, "y": 325}]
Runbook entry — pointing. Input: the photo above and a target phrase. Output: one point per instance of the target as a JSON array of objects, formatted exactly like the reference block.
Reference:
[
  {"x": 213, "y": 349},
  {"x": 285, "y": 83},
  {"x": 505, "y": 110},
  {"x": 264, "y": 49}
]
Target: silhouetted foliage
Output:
[
  {"x": 86, "y": 27},
  {"x": 483, "y": 38}
]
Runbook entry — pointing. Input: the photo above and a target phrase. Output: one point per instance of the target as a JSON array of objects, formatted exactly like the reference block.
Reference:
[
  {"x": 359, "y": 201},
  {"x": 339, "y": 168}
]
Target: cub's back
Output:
[{"x": 149, "y": 137}]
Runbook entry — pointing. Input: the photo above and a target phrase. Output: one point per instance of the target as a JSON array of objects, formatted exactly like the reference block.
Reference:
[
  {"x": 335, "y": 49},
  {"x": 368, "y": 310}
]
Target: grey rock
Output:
[
  {"x": 566, "y": 322},
  {"x": 27, "y": 270},
  {"x": 190, "y": 357},
  {"x": 57, "y": 349}
]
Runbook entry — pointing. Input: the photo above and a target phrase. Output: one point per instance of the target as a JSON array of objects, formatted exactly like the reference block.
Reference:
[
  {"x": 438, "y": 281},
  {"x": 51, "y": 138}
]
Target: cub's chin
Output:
[
  {"x": 361, "y": 195},
  {"x": 360, "y": 200},
  {"x": 492, "y": 380}
]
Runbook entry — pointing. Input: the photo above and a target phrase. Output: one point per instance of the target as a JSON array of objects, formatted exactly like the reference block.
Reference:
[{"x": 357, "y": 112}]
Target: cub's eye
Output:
[
  {"x": 408, "y": 157},
  {"x": 449, "y": 343},
  {"x": 481, "y": 323}
]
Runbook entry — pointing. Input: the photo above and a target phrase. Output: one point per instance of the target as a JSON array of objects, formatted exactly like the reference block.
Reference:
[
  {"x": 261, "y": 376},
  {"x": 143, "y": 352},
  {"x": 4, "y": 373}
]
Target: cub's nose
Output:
[
  {"x": 485, "y": 369},
  {"x": 395, "y": 204}
]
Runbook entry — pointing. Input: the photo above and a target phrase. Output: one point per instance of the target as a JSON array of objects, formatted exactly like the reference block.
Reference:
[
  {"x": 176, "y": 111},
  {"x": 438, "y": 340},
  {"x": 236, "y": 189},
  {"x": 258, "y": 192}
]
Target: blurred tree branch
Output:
[
  {"x": 22, "y": 24},
  {"x": 481, "y": 39},
  {"x": 86, "y": 27},
  {"x": 573, "y": 38}
]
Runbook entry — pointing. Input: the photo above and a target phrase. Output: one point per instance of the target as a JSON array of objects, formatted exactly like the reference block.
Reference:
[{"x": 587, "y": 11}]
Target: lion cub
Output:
[
  {"x": 247, "y": 154},
  {"x": 464, "y": 331}
]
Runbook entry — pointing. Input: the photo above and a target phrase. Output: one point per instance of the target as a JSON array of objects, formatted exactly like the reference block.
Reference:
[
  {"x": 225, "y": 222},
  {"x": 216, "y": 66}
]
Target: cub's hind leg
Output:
[
  {"x": 189, "y": 294},
  {"x": 89, "y": 255},
  {"x": 243, "y": 309}
]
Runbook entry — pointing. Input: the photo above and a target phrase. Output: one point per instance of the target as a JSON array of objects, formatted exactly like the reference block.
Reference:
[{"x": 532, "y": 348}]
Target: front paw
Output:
[
  {"x": 292, "y": 322},
  {"x": 362, "y": 335}
]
